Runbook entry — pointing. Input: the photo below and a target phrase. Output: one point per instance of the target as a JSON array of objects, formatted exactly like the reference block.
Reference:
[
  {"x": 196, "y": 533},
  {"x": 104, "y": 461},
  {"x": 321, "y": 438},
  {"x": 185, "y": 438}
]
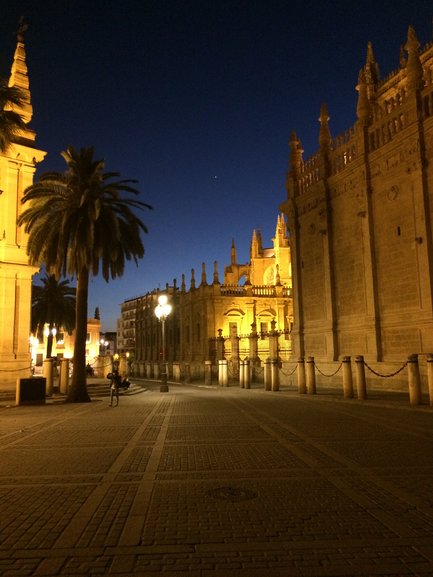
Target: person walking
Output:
[{"x": 114, "y": 387}]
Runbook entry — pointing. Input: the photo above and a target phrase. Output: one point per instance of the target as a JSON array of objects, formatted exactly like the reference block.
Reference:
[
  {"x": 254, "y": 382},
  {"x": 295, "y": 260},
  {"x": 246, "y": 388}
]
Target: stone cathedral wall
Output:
[{"x": 360, "y": 212}]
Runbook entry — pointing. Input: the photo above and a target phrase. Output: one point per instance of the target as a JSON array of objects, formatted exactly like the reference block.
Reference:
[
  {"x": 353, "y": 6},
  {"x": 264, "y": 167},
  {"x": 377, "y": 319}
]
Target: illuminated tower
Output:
[{"x": 17, "y": 168}]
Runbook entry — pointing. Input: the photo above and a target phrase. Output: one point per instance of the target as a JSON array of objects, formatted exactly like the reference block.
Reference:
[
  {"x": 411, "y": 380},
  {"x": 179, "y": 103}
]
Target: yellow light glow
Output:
[{"x": 162, "y": 300}]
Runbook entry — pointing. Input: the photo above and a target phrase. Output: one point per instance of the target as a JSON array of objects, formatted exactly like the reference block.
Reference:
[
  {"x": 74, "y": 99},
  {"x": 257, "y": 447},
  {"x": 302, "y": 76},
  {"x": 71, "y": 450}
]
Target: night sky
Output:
[{"x": 196, "y": 99}]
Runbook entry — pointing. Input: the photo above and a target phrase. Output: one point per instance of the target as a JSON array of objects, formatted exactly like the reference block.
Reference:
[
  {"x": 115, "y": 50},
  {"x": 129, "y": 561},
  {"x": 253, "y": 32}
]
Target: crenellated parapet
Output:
[
  {"x": 343, "y": 150},
  {"x": 383, "y": 110}
]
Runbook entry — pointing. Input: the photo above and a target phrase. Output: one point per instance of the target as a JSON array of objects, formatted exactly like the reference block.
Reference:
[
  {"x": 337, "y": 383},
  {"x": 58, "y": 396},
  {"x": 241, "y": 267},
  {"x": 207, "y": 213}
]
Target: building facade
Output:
[
  {"x": 126, "y": 326},
  {"x": 63, "y": 346},
  {"x": 359, "y": 214},
  {"x": 17, "y": 168},
  {"x": 254, "y": 298}
]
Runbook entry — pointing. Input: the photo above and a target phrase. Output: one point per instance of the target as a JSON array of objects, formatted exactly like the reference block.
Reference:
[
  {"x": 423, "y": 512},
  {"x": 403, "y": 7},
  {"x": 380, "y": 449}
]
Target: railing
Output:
[{"x": 255, "y": 290}]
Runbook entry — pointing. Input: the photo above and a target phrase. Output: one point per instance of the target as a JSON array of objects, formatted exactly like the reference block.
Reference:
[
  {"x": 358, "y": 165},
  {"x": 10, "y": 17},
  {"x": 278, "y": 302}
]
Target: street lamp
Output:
[
  {"x": 128, "y": 366},
  {"x": 49, "y": 334},
  {"x": 34, "y": 342},
  {"x": 103, "y": 344},
  {"x": 162, "y": 310}
]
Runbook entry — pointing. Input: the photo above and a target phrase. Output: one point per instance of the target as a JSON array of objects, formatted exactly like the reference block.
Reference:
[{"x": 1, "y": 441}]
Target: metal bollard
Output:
[
  {"x": 267, "y": 375},
  {"x": 223, "y": 373},
  {"x": 361, "y": 387},
  {"x": 347, "y": 379},
  {"x": 176, "y": 372},
  {"x": 47, "y": 372},
  {"x": 207, "y": 372},
  {"x": 247, "y": 374},
  {"x": 310, "y": 376},
  {"x": 414, "y": 380},
  {"x": 163, "y": 387},
  {"x": 275, "y": 375},
  {"x": 64, "y": 376},
  {"x": 242, "y": 374},
  {"x": 302, "y": 386}
]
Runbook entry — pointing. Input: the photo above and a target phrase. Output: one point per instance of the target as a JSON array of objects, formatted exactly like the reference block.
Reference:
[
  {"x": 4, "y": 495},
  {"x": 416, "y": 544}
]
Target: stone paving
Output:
[{"x": 224, "y": 482}]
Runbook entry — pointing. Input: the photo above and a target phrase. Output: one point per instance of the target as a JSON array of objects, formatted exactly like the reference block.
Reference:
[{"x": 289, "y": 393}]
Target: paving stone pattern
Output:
[{"x": 209, "y": 481}]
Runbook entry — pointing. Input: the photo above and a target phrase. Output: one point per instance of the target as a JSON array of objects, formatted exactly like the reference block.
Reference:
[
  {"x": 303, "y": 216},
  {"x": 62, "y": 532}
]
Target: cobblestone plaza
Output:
[{"x": 211, "y": 481}]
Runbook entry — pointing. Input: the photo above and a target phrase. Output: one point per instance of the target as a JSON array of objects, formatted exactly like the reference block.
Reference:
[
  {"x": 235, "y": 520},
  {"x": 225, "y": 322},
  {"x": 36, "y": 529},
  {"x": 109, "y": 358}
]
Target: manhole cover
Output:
[{"x": 232, "y": 494}]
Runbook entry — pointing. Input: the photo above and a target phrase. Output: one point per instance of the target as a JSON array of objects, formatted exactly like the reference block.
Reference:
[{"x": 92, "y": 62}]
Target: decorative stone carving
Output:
[{"x": 393, "y": 193}]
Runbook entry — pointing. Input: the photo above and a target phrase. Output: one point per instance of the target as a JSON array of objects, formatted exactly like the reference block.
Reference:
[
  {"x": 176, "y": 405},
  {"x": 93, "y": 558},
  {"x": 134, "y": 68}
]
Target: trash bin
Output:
[{"x": 31, "y": 391}]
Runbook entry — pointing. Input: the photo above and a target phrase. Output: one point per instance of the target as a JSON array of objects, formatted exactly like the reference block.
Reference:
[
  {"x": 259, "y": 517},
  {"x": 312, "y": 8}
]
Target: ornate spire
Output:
[
  {"x": 295, "y": 163},
  {"x": 215, "y": 273},
  {"x": 233, "y": 252},
  {"x": 18, "y": 77},
  {"x": 324, "y": 134},
  {"x": 254, "y": 253},
  {"x": 295, "y": 153},
  {"x": 281, "y": 238},
  {"x": 368, "y": 80},
  {"x": 414, "y": 70},
  {"x": 259, "y": 242},
  {"x": 22, "y": 27},
  {"x": 192, "y": 285},
  {"x": 371, "y": 71},
  {"x": 203, "y": 274},
  {"x": 363, "y": 106}
]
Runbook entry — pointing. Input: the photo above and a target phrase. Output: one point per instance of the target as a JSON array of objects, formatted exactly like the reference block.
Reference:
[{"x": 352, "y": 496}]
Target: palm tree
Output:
[
  {"x": 53, "y": 303},
  {"x": 78, "y": 222},
  {"x": 11, "y": 122}
]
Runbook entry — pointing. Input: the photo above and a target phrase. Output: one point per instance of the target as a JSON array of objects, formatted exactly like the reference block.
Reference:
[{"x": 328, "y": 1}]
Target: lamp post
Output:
[
  {"x": 49, "y": 335},
  {"x": 162, "y": 310},
  {"x": 103, "y": 344},
  {"x": 34, "y": 342},
  {"x": 127, "y": 363},
  {"x": 115, "y": 362}
]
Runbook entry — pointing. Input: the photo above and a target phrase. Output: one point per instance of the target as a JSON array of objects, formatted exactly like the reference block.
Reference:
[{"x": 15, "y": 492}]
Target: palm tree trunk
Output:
[
  {"x": 49, "y": 342},
  {"x": 78, "y": 389}
]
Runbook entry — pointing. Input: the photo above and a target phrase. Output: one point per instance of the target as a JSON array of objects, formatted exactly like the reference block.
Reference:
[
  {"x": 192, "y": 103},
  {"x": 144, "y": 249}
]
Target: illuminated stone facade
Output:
[
  {"x": 63, "y": 345},
  {"x": 126, "y": 326},
  {"x": 359, "y": 214},
  {"x": 254, "y": 296},
  {"x": 17, "y": 168}
]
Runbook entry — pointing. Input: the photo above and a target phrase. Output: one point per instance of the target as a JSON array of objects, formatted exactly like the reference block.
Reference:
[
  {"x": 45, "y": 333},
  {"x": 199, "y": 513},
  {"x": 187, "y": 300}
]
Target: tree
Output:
[
  {"x": 78, "y": 222},
  {"x": 53, "y": 303},
  {"x": 11, "y": 122}
]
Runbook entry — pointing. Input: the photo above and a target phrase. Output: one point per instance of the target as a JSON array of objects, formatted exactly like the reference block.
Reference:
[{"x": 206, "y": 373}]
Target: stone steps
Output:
[{"x": 96, "y": 388}]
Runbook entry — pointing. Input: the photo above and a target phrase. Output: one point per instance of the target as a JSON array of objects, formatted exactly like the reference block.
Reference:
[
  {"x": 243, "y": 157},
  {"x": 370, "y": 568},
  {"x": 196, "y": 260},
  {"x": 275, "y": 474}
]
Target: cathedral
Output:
[
  {"x": 350, "y": 270},
  {"x": 17, "y": 167},
  {"x": 254, "y": 298},
  {"x": 359, "y": 213}
]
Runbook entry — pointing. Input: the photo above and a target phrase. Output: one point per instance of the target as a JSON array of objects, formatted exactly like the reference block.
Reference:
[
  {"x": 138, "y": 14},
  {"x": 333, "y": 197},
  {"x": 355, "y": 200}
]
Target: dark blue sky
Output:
[{"x": 197, "y": 99}]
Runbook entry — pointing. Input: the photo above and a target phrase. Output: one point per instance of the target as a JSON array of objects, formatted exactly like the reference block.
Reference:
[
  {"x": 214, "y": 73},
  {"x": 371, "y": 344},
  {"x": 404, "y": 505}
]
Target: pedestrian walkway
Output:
[{"x": 222, "y": 482}]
